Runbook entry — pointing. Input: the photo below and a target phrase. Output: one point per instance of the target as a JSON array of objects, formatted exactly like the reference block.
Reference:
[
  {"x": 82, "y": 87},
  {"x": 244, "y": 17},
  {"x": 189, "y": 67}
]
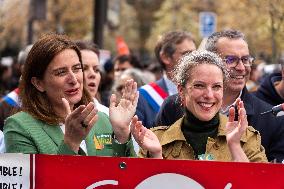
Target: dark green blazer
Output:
[{"x": 24, "y": 134}]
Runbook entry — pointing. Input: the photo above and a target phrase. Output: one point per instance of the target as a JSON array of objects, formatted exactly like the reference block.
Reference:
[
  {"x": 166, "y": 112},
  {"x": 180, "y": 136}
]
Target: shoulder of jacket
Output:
[
  {"x": 251, "y": 132},
  {"x": 21, "y": 115},
  {"x": 22, "y": 120}
]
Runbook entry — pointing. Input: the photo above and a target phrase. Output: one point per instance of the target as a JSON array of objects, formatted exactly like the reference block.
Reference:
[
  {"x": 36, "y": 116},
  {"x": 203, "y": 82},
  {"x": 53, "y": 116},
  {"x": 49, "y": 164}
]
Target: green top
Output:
[{"x": 24, "y": 134}]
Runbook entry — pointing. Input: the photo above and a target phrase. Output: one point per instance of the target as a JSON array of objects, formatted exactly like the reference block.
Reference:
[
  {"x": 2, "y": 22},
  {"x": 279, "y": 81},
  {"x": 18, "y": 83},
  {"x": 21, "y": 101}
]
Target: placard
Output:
[{"x": 14, "y": 171}]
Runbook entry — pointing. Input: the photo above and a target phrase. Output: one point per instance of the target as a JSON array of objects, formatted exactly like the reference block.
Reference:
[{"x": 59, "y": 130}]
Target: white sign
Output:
[
  {"x": 207, "y": 23},
  {"x": 14, "y": 171}
]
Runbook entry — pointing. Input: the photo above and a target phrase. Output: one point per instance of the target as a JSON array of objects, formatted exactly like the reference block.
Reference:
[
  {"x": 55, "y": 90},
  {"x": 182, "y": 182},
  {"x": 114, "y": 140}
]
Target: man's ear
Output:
[
  {"x": 37, "y": 84},
  {"x": 166, "y": 59},
  {"x": 181, "y": 95}
]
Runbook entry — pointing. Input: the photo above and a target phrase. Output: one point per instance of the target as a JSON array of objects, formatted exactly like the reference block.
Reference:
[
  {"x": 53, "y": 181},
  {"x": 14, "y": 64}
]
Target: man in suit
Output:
[
  {"x": 168, "y": 50},
  {"x": 231, "y": 45}
]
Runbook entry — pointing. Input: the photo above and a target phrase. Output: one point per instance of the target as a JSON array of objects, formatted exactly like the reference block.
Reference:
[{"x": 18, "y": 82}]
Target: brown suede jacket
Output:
[{"x": 175, "y": 146}]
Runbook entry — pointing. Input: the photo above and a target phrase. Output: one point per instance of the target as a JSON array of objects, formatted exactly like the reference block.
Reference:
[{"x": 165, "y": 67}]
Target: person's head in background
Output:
[
  {"x": 232, "y": 46},
  {"x": 200, "y": 77},
  {"x": 53, "y": 70},
  {"x": 90, "y": 58},
  {"x": 123, "y": 62},
  {"x": 18, "y": 66},
  {"x": 22, "y": 56},
  {"x": 131, "y": 73},
  {"x": 255, "y": 73},
  {"x": 171, "y": 46},
  {"x": 6, "y": 74},
  {"x": 156, "y": 69}
]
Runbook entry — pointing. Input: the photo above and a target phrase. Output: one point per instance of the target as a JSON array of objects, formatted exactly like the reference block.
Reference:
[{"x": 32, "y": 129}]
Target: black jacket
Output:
[
  {"x": 267, "y": 91},
  {"x": 271, "y": 128}
]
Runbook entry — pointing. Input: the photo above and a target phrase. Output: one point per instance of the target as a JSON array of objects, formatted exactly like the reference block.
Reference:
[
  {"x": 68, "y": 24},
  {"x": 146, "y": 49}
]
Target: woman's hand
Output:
[
  {"x": 121, "y": 113},
  {"x": 235, "y": 130},
  {"x": 78, "y": 123},
  {"x": 146, "y": 139}
]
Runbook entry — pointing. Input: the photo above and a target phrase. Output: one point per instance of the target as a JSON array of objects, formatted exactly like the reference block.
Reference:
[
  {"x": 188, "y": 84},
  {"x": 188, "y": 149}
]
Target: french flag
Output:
[{"x": 12, "y": 98}]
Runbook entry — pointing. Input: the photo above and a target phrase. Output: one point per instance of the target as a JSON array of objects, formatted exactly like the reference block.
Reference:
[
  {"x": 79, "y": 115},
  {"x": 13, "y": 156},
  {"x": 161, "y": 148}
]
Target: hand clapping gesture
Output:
[
  {"x": 235, "y": 130},
  {"x": 121, "y": 113},
  {"x": 146, "y": 139},
  {"x": 78, "y": 123}
]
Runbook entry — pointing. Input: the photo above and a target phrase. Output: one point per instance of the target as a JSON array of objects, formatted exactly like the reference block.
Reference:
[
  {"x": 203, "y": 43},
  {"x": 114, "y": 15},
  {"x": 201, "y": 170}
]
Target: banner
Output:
[
  {"x": 86, "y": 172},
  {"x": 129, "y": 173},
  {"x": 15, "y": 171}
]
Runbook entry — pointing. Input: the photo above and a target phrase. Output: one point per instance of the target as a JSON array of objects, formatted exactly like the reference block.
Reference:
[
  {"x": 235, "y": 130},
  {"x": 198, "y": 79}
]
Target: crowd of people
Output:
[{"x": 196, "y": 106}]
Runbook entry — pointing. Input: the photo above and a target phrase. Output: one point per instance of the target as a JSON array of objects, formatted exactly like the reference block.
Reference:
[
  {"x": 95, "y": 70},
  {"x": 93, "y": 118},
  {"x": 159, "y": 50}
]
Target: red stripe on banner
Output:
[
  {"x": 159, "y": 90},
  {"x": 31, "y": 171}
]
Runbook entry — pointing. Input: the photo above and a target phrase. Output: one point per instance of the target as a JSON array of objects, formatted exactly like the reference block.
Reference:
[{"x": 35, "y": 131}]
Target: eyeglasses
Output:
[{"x": 233, "y": 61}]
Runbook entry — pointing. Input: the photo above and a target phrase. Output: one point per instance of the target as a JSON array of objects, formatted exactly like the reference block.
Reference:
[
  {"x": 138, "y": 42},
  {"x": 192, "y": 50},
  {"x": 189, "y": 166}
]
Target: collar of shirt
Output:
[
  {"x": 172, "y": 88},
  {"x": 226, "y": 110}
]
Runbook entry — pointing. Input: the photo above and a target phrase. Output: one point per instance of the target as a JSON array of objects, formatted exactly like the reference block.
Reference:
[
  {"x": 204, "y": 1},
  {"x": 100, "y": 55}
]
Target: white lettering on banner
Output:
[
  {"x": 170, "y": 180},
  {"x": 14, "y": 171},
  {"x": 228, "y": 186},
  {"x": 102, "y": 183}
]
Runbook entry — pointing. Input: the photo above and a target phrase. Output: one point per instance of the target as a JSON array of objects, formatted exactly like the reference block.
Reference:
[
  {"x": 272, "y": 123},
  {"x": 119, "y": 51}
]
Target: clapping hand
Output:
[
  {"x": 146, "y": 139},
  {"x": 122, "y": 112},
  {"x": 78, "y": 123},
  {"x": 235, "y": 130}
]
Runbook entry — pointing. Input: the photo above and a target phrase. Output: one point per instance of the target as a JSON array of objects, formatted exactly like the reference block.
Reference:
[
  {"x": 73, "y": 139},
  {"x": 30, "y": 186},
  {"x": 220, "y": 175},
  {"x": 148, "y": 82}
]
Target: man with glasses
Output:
[{"x": 233, "y": 49}]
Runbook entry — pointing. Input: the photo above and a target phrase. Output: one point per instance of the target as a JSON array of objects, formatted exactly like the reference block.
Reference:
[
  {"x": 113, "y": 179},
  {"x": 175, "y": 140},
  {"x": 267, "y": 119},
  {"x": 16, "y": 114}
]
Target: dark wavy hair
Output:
[
  {"x": 40, "y": 56},
  {"x": 87, "y": 45}
]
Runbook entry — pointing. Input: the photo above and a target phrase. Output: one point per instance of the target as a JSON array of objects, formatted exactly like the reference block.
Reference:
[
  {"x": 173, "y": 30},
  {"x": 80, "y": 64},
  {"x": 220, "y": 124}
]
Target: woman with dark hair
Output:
[
  {"x": 57, "y": 113},
  {"x": 202, "y": 133},
  {"x": 91, "y": 67}
]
